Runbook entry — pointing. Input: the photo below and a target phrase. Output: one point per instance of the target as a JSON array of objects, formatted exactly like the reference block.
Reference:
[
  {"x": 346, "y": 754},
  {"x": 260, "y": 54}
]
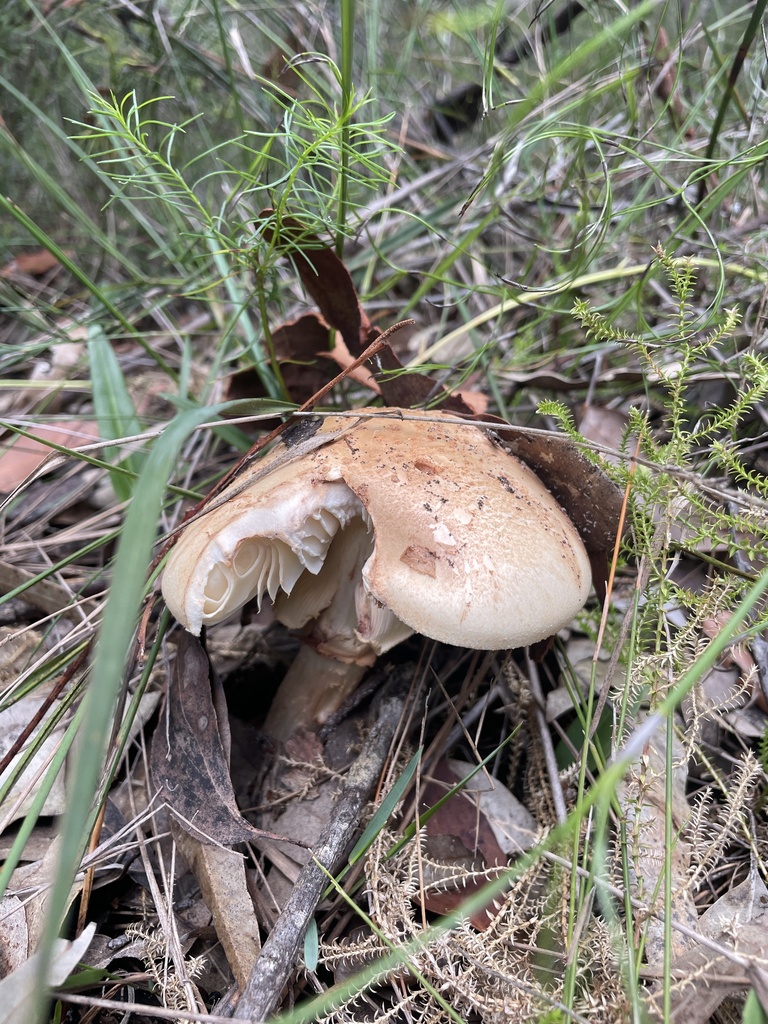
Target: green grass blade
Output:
[
  {"x": 106, "y": 678},
  {"x": 385, "y": 809},
  {"x": 114, "y": 408},
  {"x": 45, "y": 240}
]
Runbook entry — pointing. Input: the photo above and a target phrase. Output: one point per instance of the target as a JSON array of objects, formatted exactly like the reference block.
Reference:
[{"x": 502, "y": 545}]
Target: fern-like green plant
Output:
[{"x": 321, "y": 163}]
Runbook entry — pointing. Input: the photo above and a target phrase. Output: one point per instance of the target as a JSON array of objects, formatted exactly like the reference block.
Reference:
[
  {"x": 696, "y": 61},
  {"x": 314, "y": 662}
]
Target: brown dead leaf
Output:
[
  {"x": 14, "y": 935},
  {"x": 300, "y": 345},
  {"x": 297, "y": 345},
  {"x": 738, "y": 921},
  {"x": 341, "y": 355},
  {"x": 459, "y": 816},
  {"x": 221, "y": 876},
  {"x": 606, "y": 427},
  {"x": 643, "y": 803},
  {"x": 328, "y": 282},
  {"x": 512, "y": 824},
  {"x": 477, "y": 401},
  {"x": 21, "y": 456},
  {"x": 461, "y": 847},
  {"x": 469, "y": 400},
  {"x": 13, "y": 721},
  {"x": 188, "y": 763},
  {"x": 407, "y": 389},
  {"x": 324, "y": 276},
  {"x": 33, "y": 264},
  {"x": 32, "y": 883}
]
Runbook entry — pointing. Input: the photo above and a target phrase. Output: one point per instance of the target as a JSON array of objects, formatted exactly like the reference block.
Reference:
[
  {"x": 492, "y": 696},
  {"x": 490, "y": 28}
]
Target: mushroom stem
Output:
[{"x": 314, "y": 687}]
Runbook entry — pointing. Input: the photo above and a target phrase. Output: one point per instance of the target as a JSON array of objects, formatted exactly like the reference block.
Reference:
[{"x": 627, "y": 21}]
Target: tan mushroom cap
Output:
[{"x": 468, "y": 546}]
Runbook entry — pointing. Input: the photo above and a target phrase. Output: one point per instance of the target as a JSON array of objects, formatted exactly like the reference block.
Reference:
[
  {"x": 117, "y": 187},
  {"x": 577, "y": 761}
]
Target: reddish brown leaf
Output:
[
  {"x": 277, "y": 67},
  {"x": 324, "y": 277},
  {"x": 459, "y": 816},
  {"x": 33, "y": 263},
  {"x": 297, "y": 344},
  {"x": 189, "y": 768},
  {"x": 297, "y": 347},
  {"x": 666, "y": 84},
  {"x": 328, "y": 282},
  {"x": 459, "y": 837},
  {"x": 409, "y": 389},
  {"x": 341, "y": 355},
  {"x": 21, "y": 456}
]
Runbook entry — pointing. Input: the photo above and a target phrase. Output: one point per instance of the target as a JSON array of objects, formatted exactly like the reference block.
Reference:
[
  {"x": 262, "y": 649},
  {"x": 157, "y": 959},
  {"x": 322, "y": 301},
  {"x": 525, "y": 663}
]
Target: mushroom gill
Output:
[{"x": 261, "y": 541}]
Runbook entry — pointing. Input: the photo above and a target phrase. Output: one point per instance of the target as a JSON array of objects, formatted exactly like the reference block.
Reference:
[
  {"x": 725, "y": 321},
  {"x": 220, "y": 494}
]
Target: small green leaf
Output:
[{"x": 311, "y": 946}]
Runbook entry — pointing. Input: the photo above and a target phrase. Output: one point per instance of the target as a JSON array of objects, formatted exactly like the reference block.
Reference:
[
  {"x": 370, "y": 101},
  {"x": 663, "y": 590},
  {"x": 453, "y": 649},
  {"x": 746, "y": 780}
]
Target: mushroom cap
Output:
[{"x": 469, "y": 547}]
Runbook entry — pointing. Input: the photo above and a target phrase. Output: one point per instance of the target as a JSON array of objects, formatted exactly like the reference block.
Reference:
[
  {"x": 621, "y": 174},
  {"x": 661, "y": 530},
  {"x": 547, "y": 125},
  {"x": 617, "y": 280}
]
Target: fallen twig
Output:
[{"x": 278, "y": 956}]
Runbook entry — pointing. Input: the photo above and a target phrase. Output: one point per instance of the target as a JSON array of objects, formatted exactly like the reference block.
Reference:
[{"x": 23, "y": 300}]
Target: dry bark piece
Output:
[{"x": 365, "y": 529}]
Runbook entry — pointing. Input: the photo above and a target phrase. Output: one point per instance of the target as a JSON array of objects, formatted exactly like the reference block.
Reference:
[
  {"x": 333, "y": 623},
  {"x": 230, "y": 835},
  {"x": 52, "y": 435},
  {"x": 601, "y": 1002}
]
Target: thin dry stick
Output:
[
  {"x": 279, "y": 954},
  {"x": 158, "y": 1012}
]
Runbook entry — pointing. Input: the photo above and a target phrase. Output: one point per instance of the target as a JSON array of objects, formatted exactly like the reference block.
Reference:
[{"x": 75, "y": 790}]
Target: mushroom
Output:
[{"x": 363, "y": 530}]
